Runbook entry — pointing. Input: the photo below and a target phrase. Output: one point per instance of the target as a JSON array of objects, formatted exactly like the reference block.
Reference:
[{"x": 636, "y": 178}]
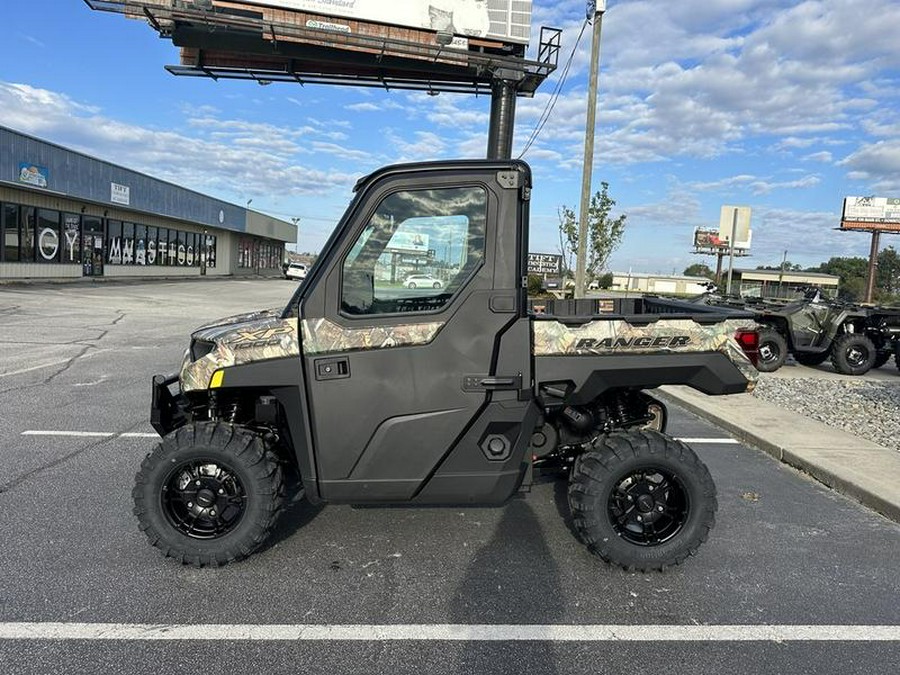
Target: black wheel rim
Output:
[
  {"x": 648, "y": 506},
  {"x": 203, "y": 499},
  {"x": 768, "y": 352},
  {"x": 857, "y": 355}
]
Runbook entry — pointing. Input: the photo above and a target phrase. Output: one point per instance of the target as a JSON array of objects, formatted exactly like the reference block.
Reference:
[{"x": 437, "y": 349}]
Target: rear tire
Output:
[
  {"x": 853, "y": 354},
  {"x": 772, "y": 350},
  {"x": 642, "y": 500},
  {"x": 209, "y": 494}
]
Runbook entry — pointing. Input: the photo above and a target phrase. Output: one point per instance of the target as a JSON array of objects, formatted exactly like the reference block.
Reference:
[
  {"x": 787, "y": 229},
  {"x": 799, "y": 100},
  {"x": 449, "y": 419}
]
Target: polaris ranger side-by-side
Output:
[{"x": 370, "y": 391}]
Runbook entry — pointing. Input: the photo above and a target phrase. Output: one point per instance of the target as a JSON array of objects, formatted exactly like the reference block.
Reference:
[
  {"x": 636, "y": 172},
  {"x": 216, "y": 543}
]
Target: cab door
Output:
[{"x": 401, "y": 335}]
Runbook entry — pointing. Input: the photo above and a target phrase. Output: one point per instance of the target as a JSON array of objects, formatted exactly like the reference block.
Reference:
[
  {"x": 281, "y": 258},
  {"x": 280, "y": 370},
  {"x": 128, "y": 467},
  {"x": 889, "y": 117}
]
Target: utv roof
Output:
[{"x": 444, "y": 165}]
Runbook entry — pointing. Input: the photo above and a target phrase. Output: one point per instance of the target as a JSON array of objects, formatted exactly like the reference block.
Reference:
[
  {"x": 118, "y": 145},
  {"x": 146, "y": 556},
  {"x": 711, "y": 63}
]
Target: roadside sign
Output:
[
  {"x": 871, "y": 213},
  {"x": 544, "y": 263}
]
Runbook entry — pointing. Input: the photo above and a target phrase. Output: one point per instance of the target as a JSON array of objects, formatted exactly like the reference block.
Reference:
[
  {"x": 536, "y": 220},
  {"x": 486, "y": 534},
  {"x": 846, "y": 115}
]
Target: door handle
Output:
[
  {"x": 491, "y": 383},
  {"x": 332, "y": 369}
]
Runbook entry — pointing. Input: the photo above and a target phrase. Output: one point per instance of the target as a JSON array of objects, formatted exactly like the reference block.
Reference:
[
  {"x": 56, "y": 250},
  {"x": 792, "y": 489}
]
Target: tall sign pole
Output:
[
  {"x": 731, "y": 251},
  {"x": 873, "y": 266},
  {"x": 595, "y": 11}
]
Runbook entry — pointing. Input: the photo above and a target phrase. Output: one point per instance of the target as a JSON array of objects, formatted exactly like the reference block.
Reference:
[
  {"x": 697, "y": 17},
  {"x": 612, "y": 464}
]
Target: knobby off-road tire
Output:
[
  {"x": 853, "y": 354},
  {"x": 807, "y": 359},
  {"x": 772, "y": 350},
  {"x": 642, "y": 500},
  {"x": 209, "y": 494}
]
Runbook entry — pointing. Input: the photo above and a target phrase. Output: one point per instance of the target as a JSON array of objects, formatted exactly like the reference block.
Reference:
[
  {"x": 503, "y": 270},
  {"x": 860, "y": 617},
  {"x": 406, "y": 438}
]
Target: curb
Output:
[{"x": 855, "y": 467}]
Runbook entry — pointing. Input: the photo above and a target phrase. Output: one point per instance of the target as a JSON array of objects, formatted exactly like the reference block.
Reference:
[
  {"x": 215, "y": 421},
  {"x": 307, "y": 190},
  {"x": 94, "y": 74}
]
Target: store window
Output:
[
  {"x": 140, "y": 244},
  {"x": 114, "y": 242},
  {"x": 48, "y": 237},
  {"x": 173, "y": 247},
  {"x": 151, "y": 245},
  {"x": 162, "y": 247},
  {"x": 28, "y": 221},
  {"x": 127, "y": 243},
  {"x": 71, "y": 238},
  {"x": 9, "y": 226}
]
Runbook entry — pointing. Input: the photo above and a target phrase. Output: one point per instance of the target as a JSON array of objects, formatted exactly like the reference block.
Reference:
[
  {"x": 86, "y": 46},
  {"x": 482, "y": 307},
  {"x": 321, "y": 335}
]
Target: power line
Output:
[{"x": 554, "y": 97}]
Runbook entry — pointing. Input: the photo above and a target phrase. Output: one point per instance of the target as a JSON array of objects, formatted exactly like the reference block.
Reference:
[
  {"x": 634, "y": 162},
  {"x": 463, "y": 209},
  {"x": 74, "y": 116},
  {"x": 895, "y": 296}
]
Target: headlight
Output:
[{"x": 200, "y": 348}]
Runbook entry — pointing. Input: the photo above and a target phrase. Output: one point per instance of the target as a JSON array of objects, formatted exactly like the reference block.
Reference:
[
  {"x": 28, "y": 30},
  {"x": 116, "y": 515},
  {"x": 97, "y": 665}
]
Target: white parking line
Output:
[
  {"x": 448, "y": 632},
  {"x": 720, "y": 441},
  {"x": 88, "y": 434},
  {"x": 111, "y": 434}
]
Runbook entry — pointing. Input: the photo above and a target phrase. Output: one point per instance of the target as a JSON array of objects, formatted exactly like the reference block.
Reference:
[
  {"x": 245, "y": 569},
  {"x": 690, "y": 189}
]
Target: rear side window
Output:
[{"x": 419, "y": 248}]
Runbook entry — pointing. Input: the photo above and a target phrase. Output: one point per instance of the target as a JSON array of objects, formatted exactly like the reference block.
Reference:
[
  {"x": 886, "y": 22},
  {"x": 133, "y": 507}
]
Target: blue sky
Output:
[{"x": 783, "y": 106}]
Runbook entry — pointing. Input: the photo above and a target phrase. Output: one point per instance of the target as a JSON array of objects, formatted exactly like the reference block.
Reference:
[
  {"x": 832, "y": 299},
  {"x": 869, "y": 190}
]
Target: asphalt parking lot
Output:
[{"x": 75, "y": 367}]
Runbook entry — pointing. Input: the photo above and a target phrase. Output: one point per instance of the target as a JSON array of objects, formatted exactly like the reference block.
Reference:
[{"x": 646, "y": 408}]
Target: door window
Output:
[{"x": 419, "y": 248}]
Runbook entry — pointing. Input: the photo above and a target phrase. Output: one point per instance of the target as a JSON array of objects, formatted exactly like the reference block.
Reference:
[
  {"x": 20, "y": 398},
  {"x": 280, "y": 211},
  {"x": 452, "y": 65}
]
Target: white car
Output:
[
  {"x": 295, "y": 271},
  {"x": 422, "y": 281}
]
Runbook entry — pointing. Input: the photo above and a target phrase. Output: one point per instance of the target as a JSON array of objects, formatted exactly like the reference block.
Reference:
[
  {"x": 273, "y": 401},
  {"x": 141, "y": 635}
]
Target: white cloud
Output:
[
  {"x": 823, "y": 156},
  {"x": 229, "y": 157},
  {"x": 878, "y": 164}
]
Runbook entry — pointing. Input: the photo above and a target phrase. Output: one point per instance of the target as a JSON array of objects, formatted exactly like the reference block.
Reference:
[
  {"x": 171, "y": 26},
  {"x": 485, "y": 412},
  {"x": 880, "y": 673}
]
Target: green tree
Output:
[
  {"x": 605, "y": 281},
  {"x": 788, "y": 267},
  {"x": 852, "y": 273},
  {"x": 699, "y": 270},
  {"x": 604, "y": 234},
  {"x": 887, "y": 275}
]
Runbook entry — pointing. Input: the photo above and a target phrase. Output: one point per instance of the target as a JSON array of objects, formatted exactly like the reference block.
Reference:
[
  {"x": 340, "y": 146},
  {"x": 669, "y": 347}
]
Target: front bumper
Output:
[{"x": 167, "y": 409}]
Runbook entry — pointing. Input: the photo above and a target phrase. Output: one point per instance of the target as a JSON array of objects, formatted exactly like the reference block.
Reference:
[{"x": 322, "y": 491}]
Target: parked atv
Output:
[{"x": 814, "y": 329}]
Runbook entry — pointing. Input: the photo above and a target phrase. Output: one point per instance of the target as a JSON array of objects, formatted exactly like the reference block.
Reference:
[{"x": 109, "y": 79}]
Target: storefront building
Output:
[{"x": 64, "y": 214}]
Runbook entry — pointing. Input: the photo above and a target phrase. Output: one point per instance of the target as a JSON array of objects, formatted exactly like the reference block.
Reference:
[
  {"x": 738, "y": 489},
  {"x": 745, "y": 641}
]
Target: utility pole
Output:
[{"x": 595, "y": 11}]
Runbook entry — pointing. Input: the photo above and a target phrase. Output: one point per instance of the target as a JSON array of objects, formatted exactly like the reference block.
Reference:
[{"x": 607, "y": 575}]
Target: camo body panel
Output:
[
  {"x": 552, "y": 338},
  {"x": 321, "y": 336},
  {"x": 248, "y": 338},
  {"x": 240, "y": 342}
]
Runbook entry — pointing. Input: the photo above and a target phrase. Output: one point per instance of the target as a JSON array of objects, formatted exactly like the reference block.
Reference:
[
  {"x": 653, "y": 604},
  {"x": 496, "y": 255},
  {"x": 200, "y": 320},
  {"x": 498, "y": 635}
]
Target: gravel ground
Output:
[{"x": 866, "y": 408}]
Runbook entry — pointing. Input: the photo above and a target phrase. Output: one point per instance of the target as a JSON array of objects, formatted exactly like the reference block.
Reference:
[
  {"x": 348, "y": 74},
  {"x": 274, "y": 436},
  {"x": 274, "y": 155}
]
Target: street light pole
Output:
[{"x": 596, "y": 9}]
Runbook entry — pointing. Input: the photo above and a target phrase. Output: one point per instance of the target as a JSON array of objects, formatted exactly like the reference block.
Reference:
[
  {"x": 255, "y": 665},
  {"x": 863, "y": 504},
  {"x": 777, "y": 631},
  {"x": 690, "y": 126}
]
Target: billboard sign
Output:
[
  {"x": 409, "y": 242},
  {"x": 470, "y": 18},
  {"x": 544, "y": 263},
  {"x": 32, "y": 174},
  {"x": 871, "y": 213},
  {"x": 704, "y": 238},
  {"x": 742, "y": 233}
]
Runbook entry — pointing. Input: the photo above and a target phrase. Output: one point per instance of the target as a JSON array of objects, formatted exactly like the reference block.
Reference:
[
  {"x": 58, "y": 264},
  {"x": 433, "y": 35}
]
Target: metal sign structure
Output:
[
  {"x": 504, "y": 20},
  {"x": 221, "y": 39},
  {"x": 740, "y": 225},
  {"x": 875, "y": 215},
  {"x": 871, "y": 214}
]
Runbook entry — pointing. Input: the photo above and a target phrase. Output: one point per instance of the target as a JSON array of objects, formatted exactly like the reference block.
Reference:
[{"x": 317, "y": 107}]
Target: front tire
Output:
[
  {"x": 642, "y": 500},
  {"x": 853, "y": 354},
  {"x": 772, "y": 350},
  {"x": 209, "y": 494}
]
